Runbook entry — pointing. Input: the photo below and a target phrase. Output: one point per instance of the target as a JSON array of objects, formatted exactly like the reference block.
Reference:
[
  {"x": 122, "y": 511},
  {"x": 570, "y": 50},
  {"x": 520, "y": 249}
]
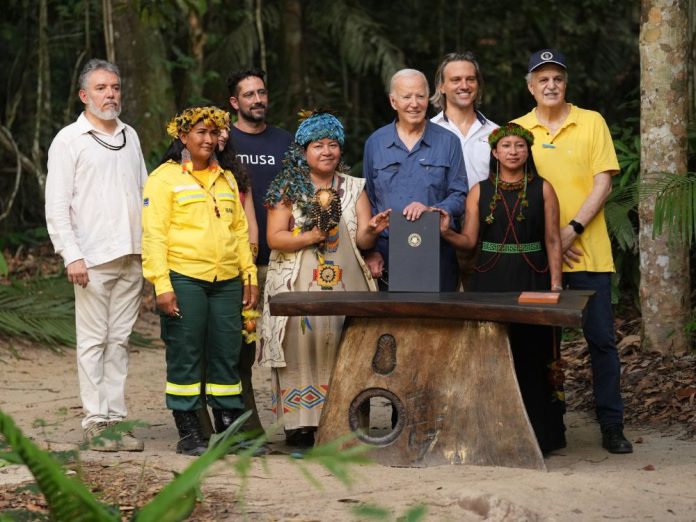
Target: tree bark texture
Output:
[
  {"x": 292, "y": 20},
  {"x": 148, "y": 96},
  {"x": 664, "y": 266}
]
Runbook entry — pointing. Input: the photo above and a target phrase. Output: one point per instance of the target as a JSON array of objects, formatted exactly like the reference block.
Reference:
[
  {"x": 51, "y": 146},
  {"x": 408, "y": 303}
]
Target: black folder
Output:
[{"x": 414, "y": 253}]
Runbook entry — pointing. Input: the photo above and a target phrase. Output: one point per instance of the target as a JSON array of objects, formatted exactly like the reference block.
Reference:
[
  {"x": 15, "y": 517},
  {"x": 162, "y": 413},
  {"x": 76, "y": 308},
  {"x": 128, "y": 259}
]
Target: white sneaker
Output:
[
  {"x": 128, "y": 441},
  {"x": 94, "y": 439}
]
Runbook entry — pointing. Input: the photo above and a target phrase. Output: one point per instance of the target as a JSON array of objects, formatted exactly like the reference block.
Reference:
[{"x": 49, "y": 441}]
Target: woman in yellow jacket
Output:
[{"x": 196, "y": 252}]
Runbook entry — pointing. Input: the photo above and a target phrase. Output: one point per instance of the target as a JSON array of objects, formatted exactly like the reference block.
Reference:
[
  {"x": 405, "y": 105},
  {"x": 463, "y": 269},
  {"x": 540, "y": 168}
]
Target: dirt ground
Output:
[{"x": 583, "y": 482}]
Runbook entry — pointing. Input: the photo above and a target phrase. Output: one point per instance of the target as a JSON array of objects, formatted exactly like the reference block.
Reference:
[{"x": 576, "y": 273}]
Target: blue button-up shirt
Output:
[{"x": 432, "y": 173}]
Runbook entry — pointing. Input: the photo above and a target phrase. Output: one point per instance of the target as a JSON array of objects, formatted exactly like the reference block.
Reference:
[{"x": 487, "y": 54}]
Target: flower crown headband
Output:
[
  {"x": 510, "y": 129},
  {"x": 184, "y": 121}
]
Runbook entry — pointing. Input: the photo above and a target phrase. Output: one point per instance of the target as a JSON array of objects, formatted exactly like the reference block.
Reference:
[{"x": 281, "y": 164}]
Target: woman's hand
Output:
[
  {"x": 315, "y": 236},
  {"x": 375, "y": 263},
  {"x": 166, "y": 302},
  {"x": 250, "y": 297},
  {"x": 444, "y": 220},
  {"x": 379, "y": 222}
]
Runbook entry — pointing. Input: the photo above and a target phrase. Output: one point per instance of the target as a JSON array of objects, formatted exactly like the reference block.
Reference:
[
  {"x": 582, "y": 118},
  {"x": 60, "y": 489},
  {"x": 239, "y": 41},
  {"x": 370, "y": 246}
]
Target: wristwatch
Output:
[{"x": 579, "y": 229}]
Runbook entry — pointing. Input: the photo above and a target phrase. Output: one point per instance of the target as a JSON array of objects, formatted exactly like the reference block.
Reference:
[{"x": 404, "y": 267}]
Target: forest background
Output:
[{"x": 340, "y": 55}]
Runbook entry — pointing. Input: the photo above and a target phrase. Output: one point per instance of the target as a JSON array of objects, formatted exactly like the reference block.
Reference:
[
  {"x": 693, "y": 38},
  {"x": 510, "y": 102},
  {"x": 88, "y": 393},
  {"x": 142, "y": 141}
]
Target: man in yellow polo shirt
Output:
[{"x": 574, "y": 151}]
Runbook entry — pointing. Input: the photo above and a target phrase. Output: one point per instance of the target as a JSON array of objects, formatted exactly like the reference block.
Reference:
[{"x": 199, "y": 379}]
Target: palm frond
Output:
[
  {"x": 618, "y": 211},
  {"x": 69, "y": 500},
  {"x": 43, "y": 310},
  {"x": 360, "y": 39},
  {"x": 675, "y": 204}
]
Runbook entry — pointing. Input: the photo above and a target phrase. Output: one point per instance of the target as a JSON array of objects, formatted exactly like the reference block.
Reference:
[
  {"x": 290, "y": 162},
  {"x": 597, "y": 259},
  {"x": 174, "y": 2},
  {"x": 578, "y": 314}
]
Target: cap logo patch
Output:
[{"x": 546, "y": 55}]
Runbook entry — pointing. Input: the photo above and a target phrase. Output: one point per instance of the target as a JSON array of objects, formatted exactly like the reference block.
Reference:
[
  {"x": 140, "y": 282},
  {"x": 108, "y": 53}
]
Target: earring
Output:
[
  {"x": 213, "y": 162},
  {"x": 186, "y": 161}
]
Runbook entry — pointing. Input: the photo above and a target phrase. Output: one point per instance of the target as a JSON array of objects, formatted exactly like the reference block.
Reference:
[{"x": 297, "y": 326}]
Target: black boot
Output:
[
  {"x": 224, "y": 418},
  {"x": 191, "y": 441}
]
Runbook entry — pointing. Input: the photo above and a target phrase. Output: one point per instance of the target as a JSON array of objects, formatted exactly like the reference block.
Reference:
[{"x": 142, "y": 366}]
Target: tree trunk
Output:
[
  {"x": 148, "y": 96},
  {"x": 293, "y": 57},
  {"x": 664, "y": 266},
  {"x": 43, "y": 94}
]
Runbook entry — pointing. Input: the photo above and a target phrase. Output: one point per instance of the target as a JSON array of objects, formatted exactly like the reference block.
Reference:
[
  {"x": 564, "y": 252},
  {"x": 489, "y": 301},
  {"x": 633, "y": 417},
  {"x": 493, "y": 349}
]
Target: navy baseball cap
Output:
[{"x": 545, "y": 56}]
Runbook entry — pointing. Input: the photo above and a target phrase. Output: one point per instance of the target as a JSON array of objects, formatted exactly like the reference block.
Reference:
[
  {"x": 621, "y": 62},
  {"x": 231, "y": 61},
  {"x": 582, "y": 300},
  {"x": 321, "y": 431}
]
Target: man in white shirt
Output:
[
  {"x": 458, "y": 93},
  {"x": 96, "y": 175}
]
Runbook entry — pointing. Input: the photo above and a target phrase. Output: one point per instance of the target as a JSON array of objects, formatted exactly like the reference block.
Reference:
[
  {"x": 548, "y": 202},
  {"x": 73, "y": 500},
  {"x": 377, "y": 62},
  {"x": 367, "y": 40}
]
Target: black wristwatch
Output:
[{"x": 579, "y": 229}]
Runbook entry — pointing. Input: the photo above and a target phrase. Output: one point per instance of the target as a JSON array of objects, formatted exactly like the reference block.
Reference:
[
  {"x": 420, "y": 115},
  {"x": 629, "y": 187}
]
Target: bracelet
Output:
[
  {"x": 556, "y": 288},
  {"x": 254, "y": 249},
  {"x": 578, "y": 227}
]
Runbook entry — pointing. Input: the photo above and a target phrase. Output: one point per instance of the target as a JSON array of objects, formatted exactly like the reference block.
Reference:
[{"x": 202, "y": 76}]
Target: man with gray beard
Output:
[{"x": 94, "y": 187}]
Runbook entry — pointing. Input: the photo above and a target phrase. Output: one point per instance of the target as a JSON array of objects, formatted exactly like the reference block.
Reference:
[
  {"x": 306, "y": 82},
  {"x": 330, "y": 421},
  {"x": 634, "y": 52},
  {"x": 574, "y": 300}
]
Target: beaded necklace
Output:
[{"x": 510, "y": 229}]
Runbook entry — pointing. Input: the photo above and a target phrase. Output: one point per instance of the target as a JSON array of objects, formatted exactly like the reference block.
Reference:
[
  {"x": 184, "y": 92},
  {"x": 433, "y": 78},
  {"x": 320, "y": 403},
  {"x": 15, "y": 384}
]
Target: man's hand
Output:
[
  {"x": 379, "y": 222},
  {"x": 77, "y": 273},
  {"x": 166, "y": 302},
  {"x": 250, "y": 298},
  {"x": 571, "y": 253},
  {"x": 375, "y": 262},
  {"x": 414, "y": 210}
]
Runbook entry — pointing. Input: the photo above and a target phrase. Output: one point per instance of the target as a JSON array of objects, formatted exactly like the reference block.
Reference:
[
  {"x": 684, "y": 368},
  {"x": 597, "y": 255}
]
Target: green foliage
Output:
[
  {"x": 374, "y": 512},
  {"x": 675, "y": 205},
  {"x": 24, "y": 237},
  {"x": 68, "y": 499},
  {"x": 42, "y": 310}
]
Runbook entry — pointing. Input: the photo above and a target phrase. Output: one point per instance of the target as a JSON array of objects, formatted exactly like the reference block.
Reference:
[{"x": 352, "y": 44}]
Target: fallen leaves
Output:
[{"x": 658, "y": 391}]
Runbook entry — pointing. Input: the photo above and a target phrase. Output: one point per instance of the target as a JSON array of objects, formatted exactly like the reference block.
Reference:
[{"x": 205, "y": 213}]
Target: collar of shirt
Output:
[
  {"x": 85, "y": 126},
  {"x": 481, "y": 122},
  {"x": 425, "y": 139},
  {"x": 530, "y": 120}
]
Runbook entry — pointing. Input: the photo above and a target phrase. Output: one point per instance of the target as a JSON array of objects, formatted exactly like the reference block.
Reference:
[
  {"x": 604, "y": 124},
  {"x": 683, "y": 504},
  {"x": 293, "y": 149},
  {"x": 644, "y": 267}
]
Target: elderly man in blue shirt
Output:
[{"x": 413, "y": 165}]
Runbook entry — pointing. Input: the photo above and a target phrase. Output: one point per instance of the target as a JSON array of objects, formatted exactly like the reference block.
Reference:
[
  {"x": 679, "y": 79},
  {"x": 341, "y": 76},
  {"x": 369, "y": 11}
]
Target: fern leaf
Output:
[{"x": 68, "y": 500}]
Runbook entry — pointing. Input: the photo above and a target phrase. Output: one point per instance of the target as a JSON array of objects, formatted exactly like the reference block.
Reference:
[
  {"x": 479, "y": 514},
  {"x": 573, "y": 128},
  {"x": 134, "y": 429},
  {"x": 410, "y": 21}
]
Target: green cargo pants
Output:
[{"x": 211, "y": 321}]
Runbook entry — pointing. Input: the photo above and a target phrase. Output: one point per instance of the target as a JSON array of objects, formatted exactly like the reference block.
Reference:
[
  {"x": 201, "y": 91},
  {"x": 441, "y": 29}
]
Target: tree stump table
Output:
[{"x": 443, "y": 361}]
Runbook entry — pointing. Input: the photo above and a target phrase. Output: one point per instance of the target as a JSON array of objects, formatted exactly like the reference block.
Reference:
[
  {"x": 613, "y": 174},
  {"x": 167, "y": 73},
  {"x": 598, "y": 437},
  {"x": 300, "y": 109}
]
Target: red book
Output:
[{"x": 539, "y": 297}]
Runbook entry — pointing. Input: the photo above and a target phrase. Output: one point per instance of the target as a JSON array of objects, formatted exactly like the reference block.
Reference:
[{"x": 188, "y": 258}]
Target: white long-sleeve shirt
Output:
[{"x": 93, "y": 194}]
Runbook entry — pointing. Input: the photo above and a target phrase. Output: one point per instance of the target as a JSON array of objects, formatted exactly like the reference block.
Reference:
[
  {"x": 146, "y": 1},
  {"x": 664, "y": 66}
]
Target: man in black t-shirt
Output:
[{"x": 260, "y": 148}]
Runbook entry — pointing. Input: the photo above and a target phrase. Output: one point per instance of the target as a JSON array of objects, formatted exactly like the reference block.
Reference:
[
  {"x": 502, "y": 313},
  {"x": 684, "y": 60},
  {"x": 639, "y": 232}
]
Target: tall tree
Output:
[
  {"x": 148, "y": 94},
  {"x": 664, "y": 286}
]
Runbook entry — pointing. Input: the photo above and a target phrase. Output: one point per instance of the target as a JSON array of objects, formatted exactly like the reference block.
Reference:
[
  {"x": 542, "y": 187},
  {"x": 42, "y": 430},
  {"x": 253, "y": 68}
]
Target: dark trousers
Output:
[
  {"x": 601, "y": 341},
  {"x": 246, "y": 361},
  {"x": 210, "y": 323}
]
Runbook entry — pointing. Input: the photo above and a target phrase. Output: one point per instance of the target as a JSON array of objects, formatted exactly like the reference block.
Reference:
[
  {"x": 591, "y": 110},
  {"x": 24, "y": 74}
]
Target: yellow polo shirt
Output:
[
  {"x": 569, "y": 161},
  {"x": 182, "y": 232}
]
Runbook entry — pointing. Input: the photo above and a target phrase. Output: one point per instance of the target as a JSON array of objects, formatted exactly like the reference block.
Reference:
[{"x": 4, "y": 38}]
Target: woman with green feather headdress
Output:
[
  {"x": 319, "y": 218},
  {"x": 512, "y": 221}
]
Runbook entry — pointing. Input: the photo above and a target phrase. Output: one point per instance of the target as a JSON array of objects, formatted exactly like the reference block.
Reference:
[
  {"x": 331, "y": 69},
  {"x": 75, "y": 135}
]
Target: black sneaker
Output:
[{"x": 614, "y": 441}]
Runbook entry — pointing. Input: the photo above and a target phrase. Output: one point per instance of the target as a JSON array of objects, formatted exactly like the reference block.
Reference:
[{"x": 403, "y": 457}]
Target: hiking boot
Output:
[
  {"x": 614, "y": 441},
  {"x": 191, "y": 440},
  {"x": 225, "y": 418},
  {"x": 128, "y": 441},
  {"x": 94, "y": 439}
]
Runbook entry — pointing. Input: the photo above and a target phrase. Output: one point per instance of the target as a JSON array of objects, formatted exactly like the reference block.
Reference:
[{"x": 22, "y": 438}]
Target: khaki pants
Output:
[{"x": 105, "y": 312}]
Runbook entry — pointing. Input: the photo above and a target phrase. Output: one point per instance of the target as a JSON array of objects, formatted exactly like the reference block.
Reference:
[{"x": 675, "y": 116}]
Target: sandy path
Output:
[{"x": 583, "y": 482}]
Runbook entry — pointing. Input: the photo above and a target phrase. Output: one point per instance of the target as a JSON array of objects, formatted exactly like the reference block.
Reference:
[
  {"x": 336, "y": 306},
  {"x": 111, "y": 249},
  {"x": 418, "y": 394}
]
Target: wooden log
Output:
[{"x": 452, "y": 383}]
